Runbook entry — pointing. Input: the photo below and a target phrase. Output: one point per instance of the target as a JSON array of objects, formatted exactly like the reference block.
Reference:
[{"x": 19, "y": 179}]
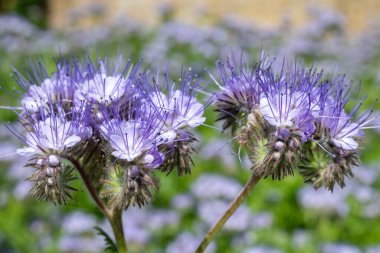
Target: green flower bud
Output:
[
  {"x": 280, "y": 158},
  {"x": 323, "y": 168},
  {"x": 129, "y": 185}
]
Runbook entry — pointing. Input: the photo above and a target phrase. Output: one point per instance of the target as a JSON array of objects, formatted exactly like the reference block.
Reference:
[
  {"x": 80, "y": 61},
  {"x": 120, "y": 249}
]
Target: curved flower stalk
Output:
[
  {"x": 294, "y": 119},
  {"x": 111, "y": 126}
]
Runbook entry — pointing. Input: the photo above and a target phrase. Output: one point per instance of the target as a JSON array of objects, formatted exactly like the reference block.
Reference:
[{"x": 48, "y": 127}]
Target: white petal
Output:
[
  {"x": 120, "y": 155},
  {"x": 117, "y": 142},
  {"x": 167, "y": 137},
  {"x": 31, "y": 104},
  {"x": 48, "y": 144},
  {"x": 31, "y": 139},
  {"x": 71, "y": 141},
  {"x": 179, "y": 122},
  {"x": 350, "y": 130},
  {"x": 26, "y": 151},
  {"x": 159, "y": 99},
  {"x": 196, "y": 121},
  {"x": 266, "y": 111},
  {"x": 148, "y": 159},
  {"x": 346, "y": 143},
  {"x": 196, "y": 110}
]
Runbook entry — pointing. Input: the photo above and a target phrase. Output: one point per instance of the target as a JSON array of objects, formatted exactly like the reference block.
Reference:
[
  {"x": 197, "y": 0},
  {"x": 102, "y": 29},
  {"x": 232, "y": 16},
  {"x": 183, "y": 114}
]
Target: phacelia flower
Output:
[
  {"x": 297, "y": 120},
  {"x": 51, "y": 137},
  {"x": 338, "y": 137},
  {"x": 43, "y": 91},
  {"x": 54, "y": 134},
  {"x": 288, "y": 98},
  {"x": 239, "y": 91},
  {"x": 133, "y": 140},
  {"x": 133, "y": 136},
  {"x": 99, "y": 84},
  {"x": 107, "y": 122},
  {"x": 179, "y": 111}
]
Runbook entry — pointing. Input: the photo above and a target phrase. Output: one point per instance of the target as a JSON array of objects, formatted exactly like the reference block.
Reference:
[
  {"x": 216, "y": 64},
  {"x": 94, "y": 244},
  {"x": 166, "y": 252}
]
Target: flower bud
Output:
[
  {"x": 40, "y": 162},
  {"x": 279, "y": 146},
  {"x": 276, "y": 156},
  {"x": 53, "y": 161},
  {"x": 283, "y": 134},
  {"x": 49, "y": 172},
  {"x": 321, "y": 168},
  {"x": 280, "y": 159},
  {"x": 99, "y": 117},
  {"x": 134, "y": 172},
  {"x": 128, "y": 186},
  {"x": 294, "y": 144},
  {"x": 179, "y": 156},
  {"x": 51, "y": 180}
]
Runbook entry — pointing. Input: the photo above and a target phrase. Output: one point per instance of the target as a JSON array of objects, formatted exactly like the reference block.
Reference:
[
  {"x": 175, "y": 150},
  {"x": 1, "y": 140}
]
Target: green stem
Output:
[
  {"x": 117, "y": 227},
  {"x": 229, "y": 212},
  {"x": 91, "y": 189},
  {"x": 114, "y": 216}
]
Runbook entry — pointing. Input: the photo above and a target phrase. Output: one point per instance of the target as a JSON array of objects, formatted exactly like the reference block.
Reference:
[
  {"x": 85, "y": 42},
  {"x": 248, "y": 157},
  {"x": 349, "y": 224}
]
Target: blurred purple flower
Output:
[
  {"x": 209, "y": 186},
  {"x": 262, "y": 249},
  {"x": 340, "y": 248},
  {"x": 323, "y": 200},
  {"x": 187, "y": 243}
]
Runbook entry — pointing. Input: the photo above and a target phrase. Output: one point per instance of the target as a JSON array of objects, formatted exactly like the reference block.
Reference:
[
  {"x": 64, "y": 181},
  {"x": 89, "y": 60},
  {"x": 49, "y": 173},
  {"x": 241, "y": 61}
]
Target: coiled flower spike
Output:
[
  {"x": 108, "y": 124},
  {"x": 296, "y": 121},
  {"x": 49, "y": 138},
  {"x": 338, "y": 137}
]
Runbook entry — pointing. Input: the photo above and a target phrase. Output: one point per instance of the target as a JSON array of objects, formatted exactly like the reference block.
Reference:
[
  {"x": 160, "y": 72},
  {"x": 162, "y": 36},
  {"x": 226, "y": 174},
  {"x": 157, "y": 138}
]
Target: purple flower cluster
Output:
[
  {"x": 109, "y": 121},
  {"x": 292, "y": 118}
]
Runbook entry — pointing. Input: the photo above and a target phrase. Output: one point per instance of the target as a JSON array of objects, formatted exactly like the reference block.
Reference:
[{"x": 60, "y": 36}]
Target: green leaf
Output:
[{"x": 110, "y": 244}]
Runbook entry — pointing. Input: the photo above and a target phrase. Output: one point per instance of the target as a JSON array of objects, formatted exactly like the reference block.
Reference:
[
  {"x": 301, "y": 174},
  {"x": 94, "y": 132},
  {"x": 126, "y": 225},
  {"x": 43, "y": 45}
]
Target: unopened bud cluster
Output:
[
  {"x": 51, "y": 180},
  {"x": 112, "y": 124},
  {"x": 292, "y": 119}
]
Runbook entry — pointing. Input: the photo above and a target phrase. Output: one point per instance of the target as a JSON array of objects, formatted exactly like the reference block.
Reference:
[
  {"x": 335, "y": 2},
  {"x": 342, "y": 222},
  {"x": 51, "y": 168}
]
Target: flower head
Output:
[
  {"x": 134, "y": 135},
  {"x": 53, "y": 133},
  {"x": 43, "y": 91},
  {"x": 176, "y": 102},
  {"x": 288, "y": 98},
  {"x": 239, "y": 91},
  {"x": 101, "y": 83},
  {"x": 294, "y": 118},
  {"x": 179, "y": 111},
  {"x": 132, "y": 140},
  {"x": 341, "y": 128},
  {"x": 337, "y": 136}
]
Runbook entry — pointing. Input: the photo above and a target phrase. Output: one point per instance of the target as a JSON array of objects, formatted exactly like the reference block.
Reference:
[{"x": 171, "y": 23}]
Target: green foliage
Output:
[{"x": 110, "y": 244}]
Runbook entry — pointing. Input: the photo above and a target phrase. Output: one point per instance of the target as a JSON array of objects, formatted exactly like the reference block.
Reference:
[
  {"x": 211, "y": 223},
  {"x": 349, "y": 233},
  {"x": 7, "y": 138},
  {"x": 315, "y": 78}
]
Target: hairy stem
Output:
[
  {"x": 91, "y": 189},
  {"x": 229, "y": 212},
  {"x": 117, "y": 227},
  {"x": 114, "y": 216}
]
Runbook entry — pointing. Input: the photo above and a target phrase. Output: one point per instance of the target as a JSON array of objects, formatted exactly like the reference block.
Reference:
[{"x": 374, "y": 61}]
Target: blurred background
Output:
[{"x": 341, "y": 36}]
